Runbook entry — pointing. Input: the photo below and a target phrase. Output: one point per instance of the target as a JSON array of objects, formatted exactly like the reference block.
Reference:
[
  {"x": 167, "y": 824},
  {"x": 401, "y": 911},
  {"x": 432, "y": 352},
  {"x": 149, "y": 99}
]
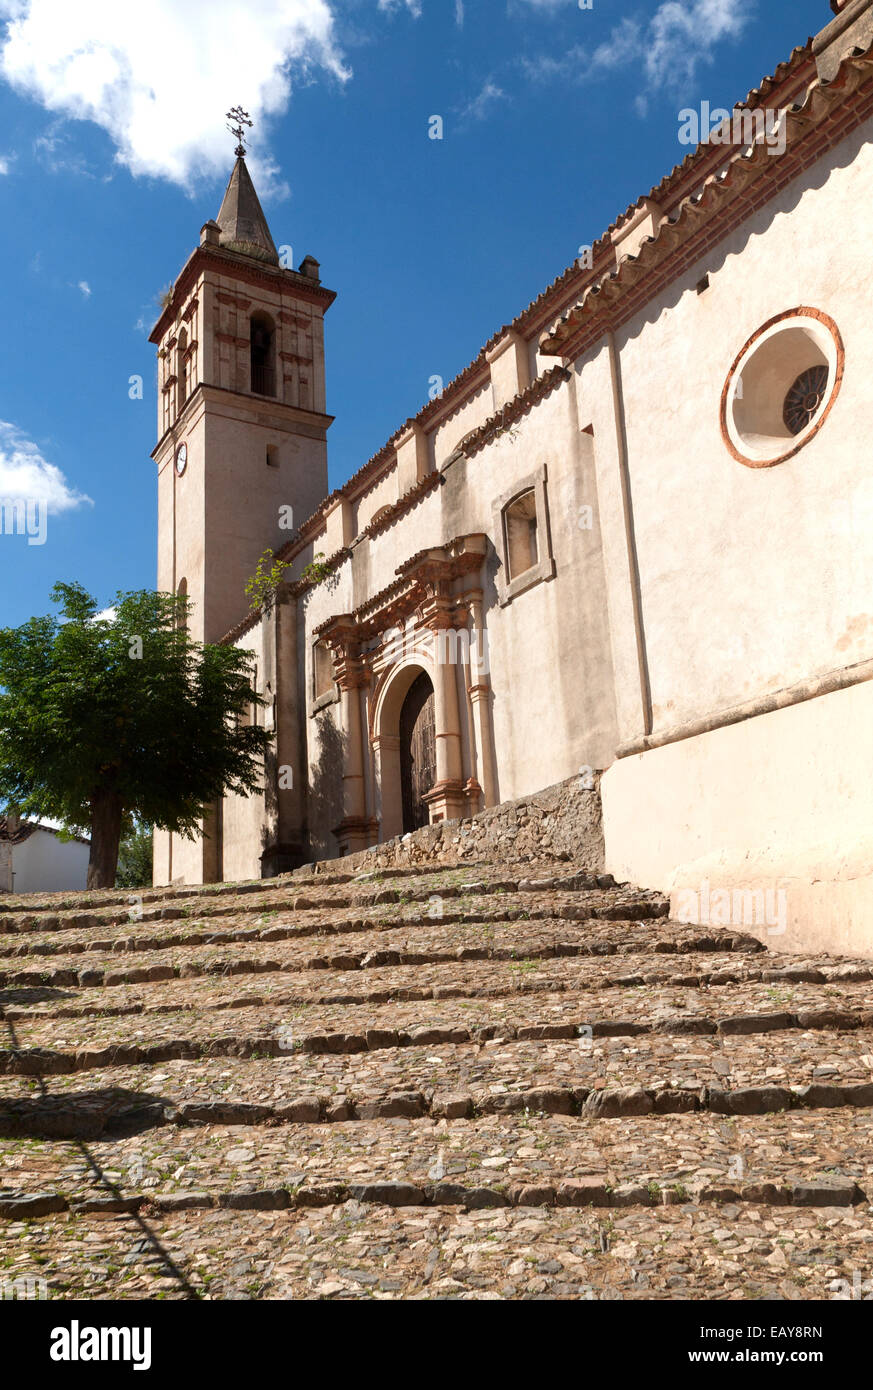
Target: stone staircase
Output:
[{"x": 481, "y": 1081}]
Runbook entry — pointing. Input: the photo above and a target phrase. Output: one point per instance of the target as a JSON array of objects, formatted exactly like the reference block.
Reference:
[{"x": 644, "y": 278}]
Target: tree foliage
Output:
[
  {"x": 122, "y": 714},
  {"x": 135, "y": 858},
  {"x": 262, "y": 585}
]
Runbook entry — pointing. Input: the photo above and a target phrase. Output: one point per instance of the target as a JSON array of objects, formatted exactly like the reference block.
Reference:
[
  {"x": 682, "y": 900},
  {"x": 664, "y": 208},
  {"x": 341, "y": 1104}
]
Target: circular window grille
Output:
[
  {"x": 782, "y": 387},
  {"x": 804, "y": 399}
]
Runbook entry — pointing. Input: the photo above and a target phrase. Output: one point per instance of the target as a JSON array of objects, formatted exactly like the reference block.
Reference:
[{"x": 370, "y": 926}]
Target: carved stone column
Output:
[
  {"x": 341, "y": 636},
  {"x": 479, "y": 692},
  {"x": 446, "y": 798},
  {"x": 389, "y": 803}
]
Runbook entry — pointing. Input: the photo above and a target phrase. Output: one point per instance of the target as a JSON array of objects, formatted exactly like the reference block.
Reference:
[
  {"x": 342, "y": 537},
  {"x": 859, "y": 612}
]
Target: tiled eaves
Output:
[
  {"x": 394, "y": 592},
  {"x": 27, "y": 828},
  {"x": 470, "y": 445},
  {"x": 801, "y": 57},
  {"x": 574, "y": 278},
  {"x": 728, "y": 197},
  {"x": 790, "y": 77}
]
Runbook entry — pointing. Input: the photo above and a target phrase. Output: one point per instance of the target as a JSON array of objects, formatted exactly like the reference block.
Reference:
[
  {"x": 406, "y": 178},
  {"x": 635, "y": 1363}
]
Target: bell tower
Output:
[{"x": 242, "y": 429}]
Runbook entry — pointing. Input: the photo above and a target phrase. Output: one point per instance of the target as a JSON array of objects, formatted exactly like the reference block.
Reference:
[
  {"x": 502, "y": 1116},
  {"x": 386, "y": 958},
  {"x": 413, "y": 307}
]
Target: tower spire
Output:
[{"x": 241, "y": 217}]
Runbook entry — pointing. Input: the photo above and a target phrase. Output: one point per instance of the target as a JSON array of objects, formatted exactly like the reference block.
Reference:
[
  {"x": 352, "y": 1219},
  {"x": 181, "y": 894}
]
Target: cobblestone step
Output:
[
  {"x": 275, "y": 925},
  {"x": 358, "y": 1250},
  {"x": 441, "y": 1084},
  {"x": 143, "y": 1103},
  {"x": 561, "y": 1192},
  {"x": 285, "y": 1038},
  {"x": 358, "y": 944},
  {"x": 691, "y": 1152},
  {"x": 605, "y": 897}
]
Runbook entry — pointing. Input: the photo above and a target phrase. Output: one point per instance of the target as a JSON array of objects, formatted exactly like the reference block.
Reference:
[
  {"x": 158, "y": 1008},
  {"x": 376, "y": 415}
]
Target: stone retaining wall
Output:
[{"x": 561, "y": 822}]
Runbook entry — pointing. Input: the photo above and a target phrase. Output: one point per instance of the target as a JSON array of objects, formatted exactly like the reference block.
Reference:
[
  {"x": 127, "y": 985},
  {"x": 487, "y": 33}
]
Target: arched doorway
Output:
[{"x": 417, "y": 752}]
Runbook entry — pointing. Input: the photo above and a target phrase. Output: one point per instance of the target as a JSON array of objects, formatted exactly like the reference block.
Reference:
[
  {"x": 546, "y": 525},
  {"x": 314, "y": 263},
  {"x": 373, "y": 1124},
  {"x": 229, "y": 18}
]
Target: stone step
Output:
[
  {"x": 463, "y": 1075},
  {"x": 513, "y": 913},
  {"x": 359, "y": 1250},
  {"x": 283, "y": 1038},
  {"x": 694, "y": 1153},
  {"x": 472, "y": 983},
  {"x": 417, "y": 1084},
  {"x": 318, "y": 880},
  {"x": 280, "y": 1017},
  {"x": 378, "y": 986},
  {"x": 277, "y": 924},
  {"x": 523, "y": 946},
  {"x": 592, "y": 1191},
  {"x": 278, "y": 895},
  {"x": 321, "y": 884}
]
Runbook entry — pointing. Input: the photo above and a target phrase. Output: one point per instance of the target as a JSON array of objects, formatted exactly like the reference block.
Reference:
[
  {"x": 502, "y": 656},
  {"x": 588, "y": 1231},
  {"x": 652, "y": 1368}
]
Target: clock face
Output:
[{"x": 181, "y": 459}]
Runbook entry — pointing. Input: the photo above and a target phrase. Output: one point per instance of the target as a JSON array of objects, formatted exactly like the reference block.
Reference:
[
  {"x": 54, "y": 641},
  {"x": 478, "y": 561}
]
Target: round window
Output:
[{"x": 781, "y": 387}]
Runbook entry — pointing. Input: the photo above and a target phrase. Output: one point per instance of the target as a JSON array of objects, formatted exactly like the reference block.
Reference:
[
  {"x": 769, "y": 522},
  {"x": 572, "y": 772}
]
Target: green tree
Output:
[
  {"x": 107, "y": 717},
  {"x": 135, "y": 858}
]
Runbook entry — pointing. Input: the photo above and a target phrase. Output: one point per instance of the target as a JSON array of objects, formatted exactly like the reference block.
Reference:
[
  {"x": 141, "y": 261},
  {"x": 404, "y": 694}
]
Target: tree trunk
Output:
[{"x": 106, "y": 812}]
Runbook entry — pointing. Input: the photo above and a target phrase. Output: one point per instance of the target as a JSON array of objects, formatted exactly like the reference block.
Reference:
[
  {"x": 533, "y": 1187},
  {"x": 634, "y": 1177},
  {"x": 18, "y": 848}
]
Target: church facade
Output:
[{"x": 631, "y": 541}]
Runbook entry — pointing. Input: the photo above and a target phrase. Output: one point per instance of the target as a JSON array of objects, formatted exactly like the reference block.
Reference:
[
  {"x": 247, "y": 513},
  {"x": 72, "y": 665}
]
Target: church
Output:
[{"x": 631, "y": 542}]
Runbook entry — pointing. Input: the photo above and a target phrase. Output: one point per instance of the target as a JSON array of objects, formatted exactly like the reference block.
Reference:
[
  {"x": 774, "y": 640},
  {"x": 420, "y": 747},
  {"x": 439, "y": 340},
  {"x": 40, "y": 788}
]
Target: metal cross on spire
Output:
[{"x": 240, "y": 119}]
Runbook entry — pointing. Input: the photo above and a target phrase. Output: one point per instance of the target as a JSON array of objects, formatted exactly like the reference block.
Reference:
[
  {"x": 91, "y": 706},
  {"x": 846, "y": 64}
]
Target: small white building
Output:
[{"x": 33, "y": 859}]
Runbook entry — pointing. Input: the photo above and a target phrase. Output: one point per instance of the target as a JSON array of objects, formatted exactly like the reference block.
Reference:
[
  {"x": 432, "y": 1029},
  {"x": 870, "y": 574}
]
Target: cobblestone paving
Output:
[{"x": 460, "y": 1083}]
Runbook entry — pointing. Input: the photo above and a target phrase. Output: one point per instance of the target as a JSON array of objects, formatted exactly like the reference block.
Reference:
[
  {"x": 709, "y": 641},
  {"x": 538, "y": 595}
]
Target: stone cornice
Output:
[
  {"x": 204, "y": 390},
  {"x": 513, "y": 411},
  {"x": 244, "y": 270},
  {"x": 424, "y": 582}
]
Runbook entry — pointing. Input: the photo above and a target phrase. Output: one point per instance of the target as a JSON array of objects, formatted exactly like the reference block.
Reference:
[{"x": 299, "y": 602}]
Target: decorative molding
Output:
[{"x": 750, "y": 709}]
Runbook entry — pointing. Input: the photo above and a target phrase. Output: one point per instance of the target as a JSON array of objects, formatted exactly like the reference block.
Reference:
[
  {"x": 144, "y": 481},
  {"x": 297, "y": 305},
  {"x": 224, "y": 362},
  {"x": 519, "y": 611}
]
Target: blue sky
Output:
[{"x": 113, "y": 152}]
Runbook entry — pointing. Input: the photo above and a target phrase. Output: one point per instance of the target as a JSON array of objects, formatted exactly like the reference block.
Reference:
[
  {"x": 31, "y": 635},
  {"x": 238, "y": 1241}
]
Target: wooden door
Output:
[{"x": 417, "y": 752}]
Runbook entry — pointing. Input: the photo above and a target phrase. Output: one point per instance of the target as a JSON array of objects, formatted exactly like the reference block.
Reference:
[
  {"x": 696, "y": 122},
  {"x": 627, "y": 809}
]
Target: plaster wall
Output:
[
  {"x": 44, "y": 864},
  {"x": 780, "y": 802}
]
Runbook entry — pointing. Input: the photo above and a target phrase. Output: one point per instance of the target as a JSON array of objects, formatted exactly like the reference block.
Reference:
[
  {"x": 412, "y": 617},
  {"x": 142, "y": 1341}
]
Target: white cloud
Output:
[
  {"x": 25, "y": 474},
  {"x": 459, "y": 13},
  {"x": 481, "y": 105},
  {"x": 413, "y": 6},
  {"x": 4, "y": 165},
  {"x": 680, "y": 37},
  {"x": 159, "y": 79},
  {"x": 56, "y": 152},
  {"x": 670, "y": 46},
  {"x": 85, "y": 288}
]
